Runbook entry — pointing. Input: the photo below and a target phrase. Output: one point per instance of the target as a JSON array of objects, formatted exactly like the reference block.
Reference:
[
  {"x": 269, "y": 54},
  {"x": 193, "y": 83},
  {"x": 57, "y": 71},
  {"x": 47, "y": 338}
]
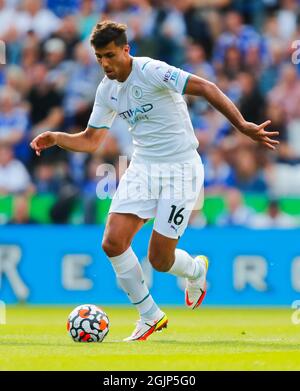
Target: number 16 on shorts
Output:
[{"x": 176, "y": 217}]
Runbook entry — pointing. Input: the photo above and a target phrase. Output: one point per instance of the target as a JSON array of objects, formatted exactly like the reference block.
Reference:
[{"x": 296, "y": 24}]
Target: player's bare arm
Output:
[
  {"x": 201, "y": 87},
  {"x": 88, "y": 140}
]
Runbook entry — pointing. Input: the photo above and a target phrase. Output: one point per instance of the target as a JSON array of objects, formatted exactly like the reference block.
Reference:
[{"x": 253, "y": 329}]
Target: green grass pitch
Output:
[{"x": 35, "y": 338}]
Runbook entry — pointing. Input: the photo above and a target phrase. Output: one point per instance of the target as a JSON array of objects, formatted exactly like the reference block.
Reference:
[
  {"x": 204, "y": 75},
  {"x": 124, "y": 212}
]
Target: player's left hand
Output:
[{"x": 258, "y": 134}]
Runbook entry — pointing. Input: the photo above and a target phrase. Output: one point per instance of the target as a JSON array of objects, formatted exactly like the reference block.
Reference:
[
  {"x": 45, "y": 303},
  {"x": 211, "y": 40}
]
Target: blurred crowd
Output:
[{"x": 248, "y": 48}]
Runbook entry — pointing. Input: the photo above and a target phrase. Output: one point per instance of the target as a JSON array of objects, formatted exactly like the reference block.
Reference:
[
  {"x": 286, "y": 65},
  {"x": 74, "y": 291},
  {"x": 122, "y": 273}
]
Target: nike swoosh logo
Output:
[{"x": 188, "y": 302}]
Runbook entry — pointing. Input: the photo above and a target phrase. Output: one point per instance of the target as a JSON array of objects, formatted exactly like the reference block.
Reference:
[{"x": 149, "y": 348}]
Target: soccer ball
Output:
[{"x": 88, "y": 323}]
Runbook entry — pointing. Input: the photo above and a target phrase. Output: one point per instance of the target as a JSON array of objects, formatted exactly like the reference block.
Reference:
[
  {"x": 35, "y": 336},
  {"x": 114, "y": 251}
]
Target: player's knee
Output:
[
  {"x": 160, "y": 262},
  {"x": 113, "y": 246}
]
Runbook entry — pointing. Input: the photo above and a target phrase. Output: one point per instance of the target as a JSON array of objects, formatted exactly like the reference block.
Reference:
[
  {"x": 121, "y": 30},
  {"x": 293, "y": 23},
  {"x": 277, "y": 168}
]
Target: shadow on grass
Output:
[{"x": 233, "y": 344}]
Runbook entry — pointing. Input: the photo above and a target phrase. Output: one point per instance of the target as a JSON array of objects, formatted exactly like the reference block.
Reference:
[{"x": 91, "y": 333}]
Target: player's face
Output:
[{"x": 114, "y": 60}]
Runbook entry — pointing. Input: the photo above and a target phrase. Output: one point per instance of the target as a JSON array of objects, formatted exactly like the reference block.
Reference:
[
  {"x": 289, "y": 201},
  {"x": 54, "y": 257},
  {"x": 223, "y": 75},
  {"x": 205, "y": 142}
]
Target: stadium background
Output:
[{"x": 51, "y": 219}]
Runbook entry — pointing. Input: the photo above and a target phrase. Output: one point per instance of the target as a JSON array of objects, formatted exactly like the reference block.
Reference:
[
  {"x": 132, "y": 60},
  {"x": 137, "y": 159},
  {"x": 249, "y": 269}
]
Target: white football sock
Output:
[
  {"x": 185, "y": 266},
  {"x": 130, "y": 277}
]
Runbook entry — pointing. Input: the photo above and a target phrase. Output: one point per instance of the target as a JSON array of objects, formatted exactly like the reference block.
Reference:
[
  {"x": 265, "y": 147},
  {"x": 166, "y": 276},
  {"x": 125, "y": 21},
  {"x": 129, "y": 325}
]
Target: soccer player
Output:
[{"x": 148, "y": 95}]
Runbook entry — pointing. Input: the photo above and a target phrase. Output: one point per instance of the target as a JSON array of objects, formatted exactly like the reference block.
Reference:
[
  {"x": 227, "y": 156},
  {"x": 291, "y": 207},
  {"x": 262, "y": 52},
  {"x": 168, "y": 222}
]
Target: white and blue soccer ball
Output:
[{"x": 88, "y": 323}]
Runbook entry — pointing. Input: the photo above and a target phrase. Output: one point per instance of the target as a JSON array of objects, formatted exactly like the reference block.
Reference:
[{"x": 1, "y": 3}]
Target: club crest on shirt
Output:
[{"x": 137, "y": 92}]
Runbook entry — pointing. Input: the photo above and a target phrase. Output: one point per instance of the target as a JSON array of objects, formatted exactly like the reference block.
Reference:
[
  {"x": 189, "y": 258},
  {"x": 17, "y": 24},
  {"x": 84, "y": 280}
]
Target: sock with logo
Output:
[
  {"x": 185, "y": 266},
  {"x": 131, "y": 279}
]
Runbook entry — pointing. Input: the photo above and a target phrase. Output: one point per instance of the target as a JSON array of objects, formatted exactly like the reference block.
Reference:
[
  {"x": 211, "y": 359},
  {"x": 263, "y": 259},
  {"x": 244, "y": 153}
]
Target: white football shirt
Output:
[{"x": 151, "y": 102}]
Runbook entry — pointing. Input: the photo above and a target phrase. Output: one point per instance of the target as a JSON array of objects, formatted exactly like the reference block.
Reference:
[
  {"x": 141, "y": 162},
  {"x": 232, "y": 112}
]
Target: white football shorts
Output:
[{"x": 169, "y": 192}]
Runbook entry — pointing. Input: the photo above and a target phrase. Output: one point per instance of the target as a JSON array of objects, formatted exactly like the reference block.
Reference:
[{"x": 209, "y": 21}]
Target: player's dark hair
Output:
[{"x": 106, "y": 32}]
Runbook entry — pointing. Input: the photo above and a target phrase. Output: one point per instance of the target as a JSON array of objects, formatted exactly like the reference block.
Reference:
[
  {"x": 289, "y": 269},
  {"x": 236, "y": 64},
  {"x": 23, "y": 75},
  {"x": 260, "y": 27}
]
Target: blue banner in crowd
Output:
[{"x": 65, "y": 264}]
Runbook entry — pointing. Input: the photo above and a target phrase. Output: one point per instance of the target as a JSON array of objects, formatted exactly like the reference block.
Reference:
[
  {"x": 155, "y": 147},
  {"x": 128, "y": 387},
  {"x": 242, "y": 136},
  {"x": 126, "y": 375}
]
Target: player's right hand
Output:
[{"x": 43, "y": 141}]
